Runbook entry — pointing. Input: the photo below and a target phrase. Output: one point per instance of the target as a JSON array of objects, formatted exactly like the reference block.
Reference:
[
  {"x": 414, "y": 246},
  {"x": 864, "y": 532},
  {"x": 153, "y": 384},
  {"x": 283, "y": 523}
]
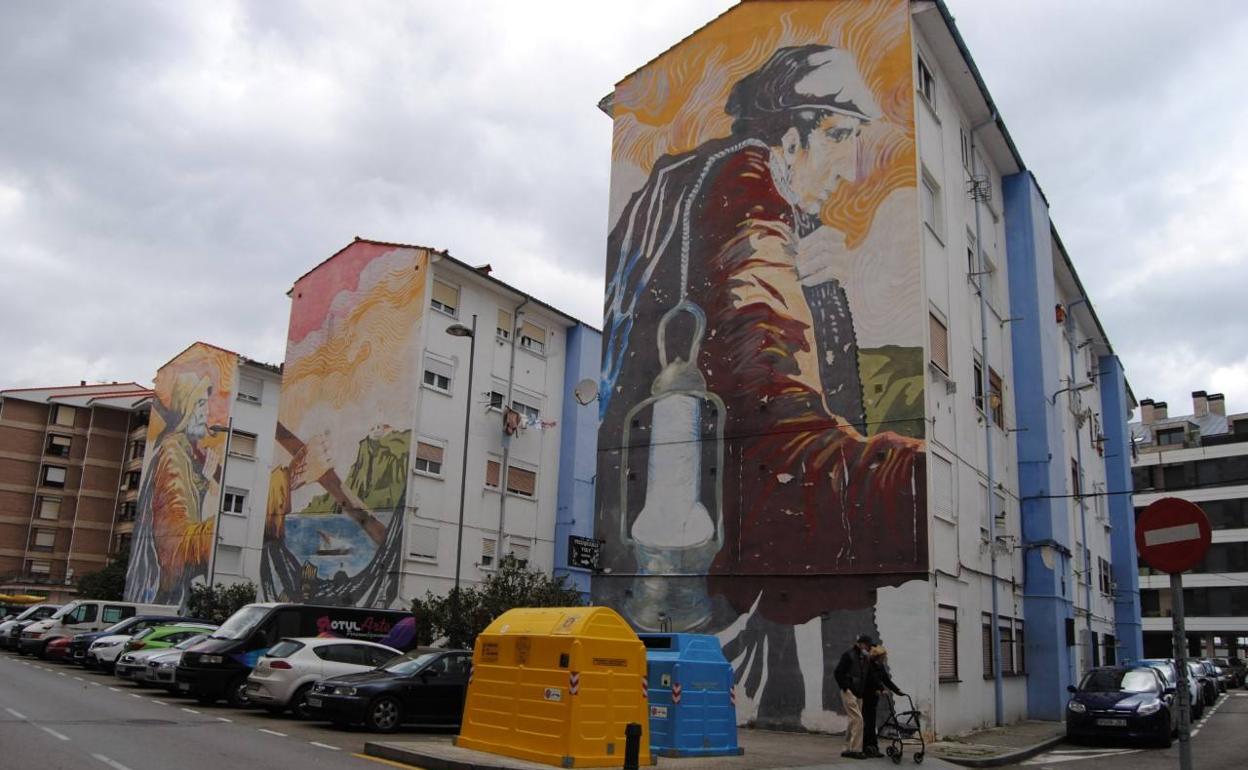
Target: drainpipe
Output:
[
  {"x": 499, "y": 551},
  {"x": 998, "y": 681},
  {"x": 1083, "y": 507}
]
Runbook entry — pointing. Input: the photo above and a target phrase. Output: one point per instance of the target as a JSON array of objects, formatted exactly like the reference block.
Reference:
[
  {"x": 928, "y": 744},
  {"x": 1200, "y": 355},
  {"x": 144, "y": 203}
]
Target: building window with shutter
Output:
[
  {"x": 49, "y": 508},
  {"x": 35, "y": 567},
  {"x": 1007, "y": 648},
  {"x": 504, "y": 325},
  {"x": 947, "y": 636},
  {"x": 438, "y": 374},
  {"x": 250, "y": 389},
  {"x": 942, "y": 488},
  {"x": 492, "y": 467},
  {"x": 445, "y": 299},
  {"x": 44, "y": 539},
  {"x": 243, "y": 444},
  {"x": 521, "y": 481},
  {"x": 424, "y": 542},
  {"x": 986, "y": 646},
  {"x": 932, "y": 212},
  {"x": 487, "y": 552},
  {"x": 940, "y": 343},
  {"x": 533, "y": 338},
  {"x": 429, "y": 458},
  {"x": 518, "y": 549},
  {"x": 53, "y": 476},
  {"x": 1021, "y": 646},
  {"x": 234, "y": 500},
  {"x": 64, "y": 415},
  {"x": 58, "y": 446}
]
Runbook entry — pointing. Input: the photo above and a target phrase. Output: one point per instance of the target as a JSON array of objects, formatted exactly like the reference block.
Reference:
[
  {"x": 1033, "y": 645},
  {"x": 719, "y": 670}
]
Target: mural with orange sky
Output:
[
  {"x": 761, "y": 452},
  {"x": 334, "y": 516},
  {"x": 181, "y": 487}
]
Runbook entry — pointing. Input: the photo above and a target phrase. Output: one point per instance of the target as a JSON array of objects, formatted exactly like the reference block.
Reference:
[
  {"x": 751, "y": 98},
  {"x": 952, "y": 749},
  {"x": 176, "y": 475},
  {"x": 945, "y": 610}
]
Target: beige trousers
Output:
[{"x": 853, "y": 710}]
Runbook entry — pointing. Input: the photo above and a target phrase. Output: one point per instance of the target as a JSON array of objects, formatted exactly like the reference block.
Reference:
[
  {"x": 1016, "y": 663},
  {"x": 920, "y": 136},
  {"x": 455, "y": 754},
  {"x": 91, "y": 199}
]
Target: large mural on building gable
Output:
[
  {"x": 180, "y": 492},
  {"x": 761, "y": 451},
  {"x": 338, "y": 487}
]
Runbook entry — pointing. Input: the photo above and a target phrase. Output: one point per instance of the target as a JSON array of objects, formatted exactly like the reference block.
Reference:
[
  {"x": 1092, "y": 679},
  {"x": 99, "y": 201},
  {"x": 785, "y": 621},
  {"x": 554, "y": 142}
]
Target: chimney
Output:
[
  {"x": 1200, "y": 403},
  {"x": 1217, "y": 403},
  {"x": 1160, "y": 410},
  {"x": 82, "y": 383},
  {"x": 1146, "y": 411}
]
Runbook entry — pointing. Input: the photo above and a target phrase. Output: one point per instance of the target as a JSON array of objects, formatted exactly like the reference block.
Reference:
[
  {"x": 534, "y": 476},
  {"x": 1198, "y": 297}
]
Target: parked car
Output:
[
  {"x": 1233, "y": 679},
  {"x": 1218, "y": 675},
  {"x": 1170, "y": 674},
  {"x": 11, "y": 630},
  {"x": 162, "y": 666},
  {"x": 57, "y": 649},
  {"x": 1208, "y": 687},
  {"x": 152, "y": 641},
  {"x": 285, "y": 674},
  {"x": 132, "y": 625},
  {"x": 1241, "y": 670},
  {"x": 424, "y": 686},
  {"x": 82, "y": 616},
  {"x": 1128, "y": 702},
  {"x": 218, "y": 667}
]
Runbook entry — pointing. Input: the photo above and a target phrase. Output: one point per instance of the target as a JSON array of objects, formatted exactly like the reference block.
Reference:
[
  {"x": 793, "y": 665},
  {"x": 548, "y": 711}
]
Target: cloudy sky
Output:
[{"x": 168, "y": 169}]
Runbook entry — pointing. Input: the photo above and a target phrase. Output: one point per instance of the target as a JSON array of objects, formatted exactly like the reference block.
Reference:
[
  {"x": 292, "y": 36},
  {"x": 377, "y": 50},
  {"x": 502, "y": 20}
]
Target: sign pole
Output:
[{"x": 1180, "y": 662}]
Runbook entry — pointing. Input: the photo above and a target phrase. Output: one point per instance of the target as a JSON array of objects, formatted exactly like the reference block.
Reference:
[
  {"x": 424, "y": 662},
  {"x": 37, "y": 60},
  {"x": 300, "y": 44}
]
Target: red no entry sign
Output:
[{"x": 1172, "y": 535}]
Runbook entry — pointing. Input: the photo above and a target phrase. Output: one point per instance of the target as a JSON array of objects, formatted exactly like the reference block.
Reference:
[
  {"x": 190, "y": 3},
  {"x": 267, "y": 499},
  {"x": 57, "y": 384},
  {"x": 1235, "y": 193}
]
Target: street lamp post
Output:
[
  {"x": 459, "y": 330},
  {"x": 216, "y": 524}
]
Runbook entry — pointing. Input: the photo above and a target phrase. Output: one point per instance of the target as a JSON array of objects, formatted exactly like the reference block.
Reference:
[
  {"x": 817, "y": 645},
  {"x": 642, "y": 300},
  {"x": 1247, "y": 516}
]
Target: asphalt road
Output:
[
  {"x": 59, "y": 717},
  {"x": 1219, "y": 742}
]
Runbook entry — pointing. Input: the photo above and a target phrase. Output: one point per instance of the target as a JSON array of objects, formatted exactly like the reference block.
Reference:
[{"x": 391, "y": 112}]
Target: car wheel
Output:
[
  {"x": 384, "y": 715},
  {"x": 236, "y": 694},
  {"x": 1166, "y": 739},
  {"x": 299, "y": 703}
]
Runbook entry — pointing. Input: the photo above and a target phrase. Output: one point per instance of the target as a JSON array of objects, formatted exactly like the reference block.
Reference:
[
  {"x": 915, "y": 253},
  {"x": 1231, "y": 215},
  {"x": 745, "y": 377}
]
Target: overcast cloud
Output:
[{"x": 168, "y": 169}]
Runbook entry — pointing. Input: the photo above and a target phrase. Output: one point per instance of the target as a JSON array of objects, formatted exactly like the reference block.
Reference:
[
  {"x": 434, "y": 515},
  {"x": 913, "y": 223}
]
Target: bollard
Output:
[{"x": 632, "y": 746}]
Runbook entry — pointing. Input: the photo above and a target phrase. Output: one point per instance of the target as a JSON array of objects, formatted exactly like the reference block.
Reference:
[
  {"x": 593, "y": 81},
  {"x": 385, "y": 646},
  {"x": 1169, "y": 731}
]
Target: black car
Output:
[
  {"x": 1115, "y": 702},
  {"x": 79, "y": 645},
  {"x": 1208, "y": 685},
  {"x": 426, "y": 686}
]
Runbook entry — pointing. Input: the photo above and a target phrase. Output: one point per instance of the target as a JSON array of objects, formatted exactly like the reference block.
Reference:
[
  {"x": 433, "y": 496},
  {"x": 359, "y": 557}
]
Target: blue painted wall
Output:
[
  {"x": 1114, "y": 413},
  {"x": 1042, "y": 462},
  {"x": 578, "y": 452}
]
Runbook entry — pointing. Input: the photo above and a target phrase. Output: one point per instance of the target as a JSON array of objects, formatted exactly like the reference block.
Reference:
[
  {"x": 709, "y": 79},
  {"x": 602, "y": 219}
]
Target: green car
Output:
[{"x": 164, "y": 637}]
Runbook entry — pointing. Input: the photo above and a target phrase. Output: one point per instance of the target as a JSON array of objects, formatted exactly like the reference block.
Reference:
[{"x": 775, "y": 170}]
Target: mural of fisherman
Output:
[
  {"x": 765, "y": 467},
  {"x": 177, "y": 502}
]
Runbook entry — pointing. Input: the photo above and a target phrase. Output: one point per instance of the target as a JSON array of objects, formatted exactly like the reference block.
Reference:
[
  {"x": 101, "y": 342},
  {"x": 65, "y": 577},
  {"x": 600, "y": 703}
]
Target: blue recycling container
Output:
[{"x": 692, "y": 708}]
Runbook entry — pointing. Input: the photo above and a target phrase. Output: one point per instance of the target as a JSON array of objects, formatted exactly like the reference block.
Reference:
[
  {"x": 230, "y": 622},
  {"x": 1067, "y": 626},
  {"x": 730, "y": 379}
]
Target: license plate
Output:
[
  {"x": 1111, "y": 722},
  {"x": 314, "y": 701}
]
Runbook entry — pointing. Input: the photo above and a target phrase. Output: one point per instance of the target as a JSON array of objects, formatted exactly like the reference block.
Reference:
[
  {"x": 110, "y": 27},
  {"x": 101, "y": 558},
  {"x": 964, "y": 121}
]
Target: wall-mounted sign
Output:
[{"x": 583, "y": 552}]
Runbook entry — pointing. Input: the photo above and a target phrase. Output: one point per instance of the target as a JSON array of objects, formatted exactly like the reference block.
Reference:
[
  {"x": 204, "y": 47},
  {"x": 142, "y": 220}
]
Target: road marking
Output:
[
  {"x": 78, "y": 679},
  {"x": 114, "y": 689},
  {"x": 1167, "y": 535},
  {"x": 158, "y": 702},
  {"x": 324, "y": 745},
  {"x": 272, "y": 732},
  {"x": 16, "y": 714},
  {"x": 1072, "y": 755},
  {"x": 189, "y": 711},
  {"x": 96, "y": 684},
  {"x": 223, "y": 719},
  {"x": 381, "y": 761},
  {"x": 135, "y": 695},
  {"x": 110, "y": 762},
  {"x": 54, "y": 733}
]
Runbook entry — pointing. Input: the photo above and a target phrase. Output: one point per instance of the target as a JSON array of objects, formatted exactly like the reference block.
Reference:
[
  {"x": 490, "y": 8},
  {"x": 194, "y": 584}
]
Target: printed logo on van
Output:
[{"x": 369, "y": 626}]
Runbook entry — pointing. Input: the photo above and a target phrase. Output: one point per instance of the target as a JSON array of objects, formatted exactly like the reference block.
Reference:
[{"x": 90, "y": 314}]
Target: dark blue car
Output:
[{"x": 1122, "y": 703}]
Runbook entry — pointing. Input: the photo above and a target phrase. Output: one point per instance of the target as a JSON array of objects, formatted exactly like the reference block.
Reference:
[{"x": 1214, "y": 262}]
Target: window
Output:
[
  {"x": 445, "y": 298},
  {"x": 487, "y": 552},
  {"x": 127, "y": 511},
  {"x": 438, "y": 374},
  {"x": 1020, "y": 661},
  {"x": 504, "y": 325},
  {"x": 986, "y": 644},
  {"x": 533, "y": 338},
  {"x": 233, "y": 500},
  {"x": 519, "y": 550},
  {"x": 930, "y": 193},
  {"x": 1007, "y": 647},
  {"x": 947, "y": 635},
  {"x": 136, "y": 450},
  {"x": 36, "y": 567},
  {"x": 999, "y": 513},
  {"x": 966, "y": 144},
  {"x": 1111, "y": 650},
  {"x": 424, "y": 542},
  {"x": 1105, "y": 581},
  {"x": 1170, "y": 437},
  {"x": 45, "y": 539},
  {"x": 942, "y": 488},
  {"x": 979, "y": 386},
  {"x": 972, "y": 264},
  {"x": 985, "y": 515},
  {"x": 58, "y": 445},
  {"x": 940, "y": 343},
  {"x": 83, "y": 613},
  {"x": 243, "y": 444},
  {"x": 519, "y": 480},
  {"x": 131, "y": 480},
  {"x": 229, "y": 559},
  {"x": 491, "y": 473},
  {"x": 250, "y": 388},
  {"x": 1076, "y": 488},
  {"x": 49, "y": 507},
  {"x": 375, "y": 656},
  {"x": 64, "y": 415},
  {"x": 428, "y": 458},
  {"x": 529, "y": 413},
  {"x": 496, "y": 400},
  {"x": 53, "y": 476},
  {"x": 926, "y": 83},
  {"x": 113, "y": 614},
  {"x": 996, "y": 399}
]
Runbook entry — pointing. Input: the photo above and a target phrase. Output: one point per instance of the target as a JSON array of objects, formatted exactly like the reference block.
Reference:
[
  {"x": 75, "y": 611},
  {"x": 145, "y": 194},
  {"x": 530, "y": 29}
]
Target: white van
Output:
[{"x": 83, "y": 616}]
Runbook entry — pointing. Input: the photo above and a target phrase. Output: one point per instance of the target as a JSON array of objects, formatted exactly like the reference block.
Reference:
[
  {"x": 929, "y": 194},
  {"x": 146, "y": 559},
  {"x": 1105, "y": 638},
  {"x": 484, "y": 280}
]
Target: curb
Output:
[{"x": 1005, "y": 759}]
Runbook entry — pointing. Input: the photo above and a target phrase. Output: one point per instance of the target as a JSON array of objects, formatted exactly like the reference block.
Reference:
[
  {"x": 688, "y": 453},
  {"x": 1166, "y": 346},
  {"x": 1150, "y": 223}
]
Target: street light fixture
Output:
[
  {"x": 228, "y": 430},
  {"x": 459, "y": 330}
]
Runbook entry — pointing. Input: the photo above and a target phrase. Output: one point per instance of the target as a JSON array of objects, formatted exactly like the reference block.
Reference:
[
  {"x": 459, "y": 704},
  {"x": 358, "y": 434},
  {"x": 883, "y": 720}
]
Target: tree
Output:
[
  {"x": 460, "y": 618},
  {"x": 108, "y": 583},
  {"x": 216, "y": 603}
]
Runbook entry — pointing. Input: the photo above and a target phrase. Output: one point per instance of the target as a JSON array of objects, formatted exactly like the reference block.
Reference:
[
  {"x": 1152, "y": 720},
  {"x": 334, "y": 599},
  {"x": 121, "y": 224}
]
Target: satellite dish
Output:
[{"x": 586, "y": 391}]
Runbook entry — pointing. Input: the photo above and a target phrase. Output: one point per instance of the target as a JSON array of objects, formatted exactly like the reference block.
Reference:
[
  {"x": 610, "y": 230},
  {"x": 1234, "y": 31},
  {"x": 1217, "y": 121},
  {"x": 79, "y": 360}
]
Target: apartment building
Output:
[
  {"x": 430, "y": 399},
  {"x": 851, "y": 380},
  {"x": 1201, "y": 457},
  {"x": 70, "y": 461}
]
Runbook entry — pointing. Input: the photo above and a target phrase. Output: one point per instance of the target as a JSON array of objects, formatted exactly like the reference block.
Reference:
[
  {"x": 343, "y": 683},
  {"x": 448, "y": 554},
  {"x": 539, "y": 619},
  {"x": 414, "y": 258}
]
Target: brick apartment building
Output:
[{"x": 70, "y": 464}]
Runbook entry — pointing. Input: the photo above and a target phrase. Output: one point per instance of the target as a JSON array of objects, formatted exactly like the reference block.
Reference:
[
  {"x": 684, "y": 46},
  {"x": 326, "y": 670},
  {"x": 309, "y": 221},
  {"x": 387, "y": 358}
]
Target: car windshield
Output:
[
  {"x": 1164, "y": 667},
  {"x": 187, "y": 644},
  {"x": 1118, "y": 680},
  {"x": 62, "y": 612},
  {"x": 284, "y": 649},
  {"x": 408, "y": 663},
  {"x": 241, "y": 623},
  {"x": 29, "y": 611},
  {"x": 1221, "y": 662}
]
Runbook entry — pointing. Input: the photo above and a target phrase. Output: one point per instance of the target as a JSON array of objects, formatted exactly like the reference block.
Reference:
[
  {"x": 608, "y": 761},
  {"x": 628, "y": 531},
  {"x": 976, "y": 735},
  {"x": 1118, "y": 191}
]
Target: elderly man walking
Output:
[{"x": 851, "y": 678}]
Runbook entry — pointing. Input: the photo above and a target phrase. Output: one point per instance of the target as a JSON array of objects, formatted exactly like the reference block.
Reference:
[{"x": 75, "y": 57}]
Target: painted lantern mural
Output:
[
  {"x": 761, "y": 451},
  {"x": 334, "y": 517},
  {"x": 181, "y": 487}
]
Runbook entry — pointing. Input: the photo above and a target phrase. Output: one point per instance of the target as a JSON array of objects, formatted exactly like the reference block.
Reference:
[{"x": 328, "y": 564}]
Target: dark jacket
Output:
[
  {"x": 877, "y": 677},
  {"x": 851, "y": 671}
]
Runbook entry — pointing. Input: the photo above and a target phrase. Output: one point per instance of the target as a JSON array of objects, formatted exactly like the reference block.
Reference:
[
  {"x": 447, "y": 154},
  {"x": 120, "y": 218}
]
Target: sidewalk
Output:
[
  {"x": 764, "y": 750},
  {"x": 1000, "y": 745}
]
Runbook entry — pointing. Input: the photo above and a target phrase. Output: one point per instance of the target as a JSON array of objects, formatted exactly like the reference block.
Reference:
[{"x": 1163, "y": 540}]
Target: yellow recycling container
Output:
[{"x": 558, "y": 686}]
